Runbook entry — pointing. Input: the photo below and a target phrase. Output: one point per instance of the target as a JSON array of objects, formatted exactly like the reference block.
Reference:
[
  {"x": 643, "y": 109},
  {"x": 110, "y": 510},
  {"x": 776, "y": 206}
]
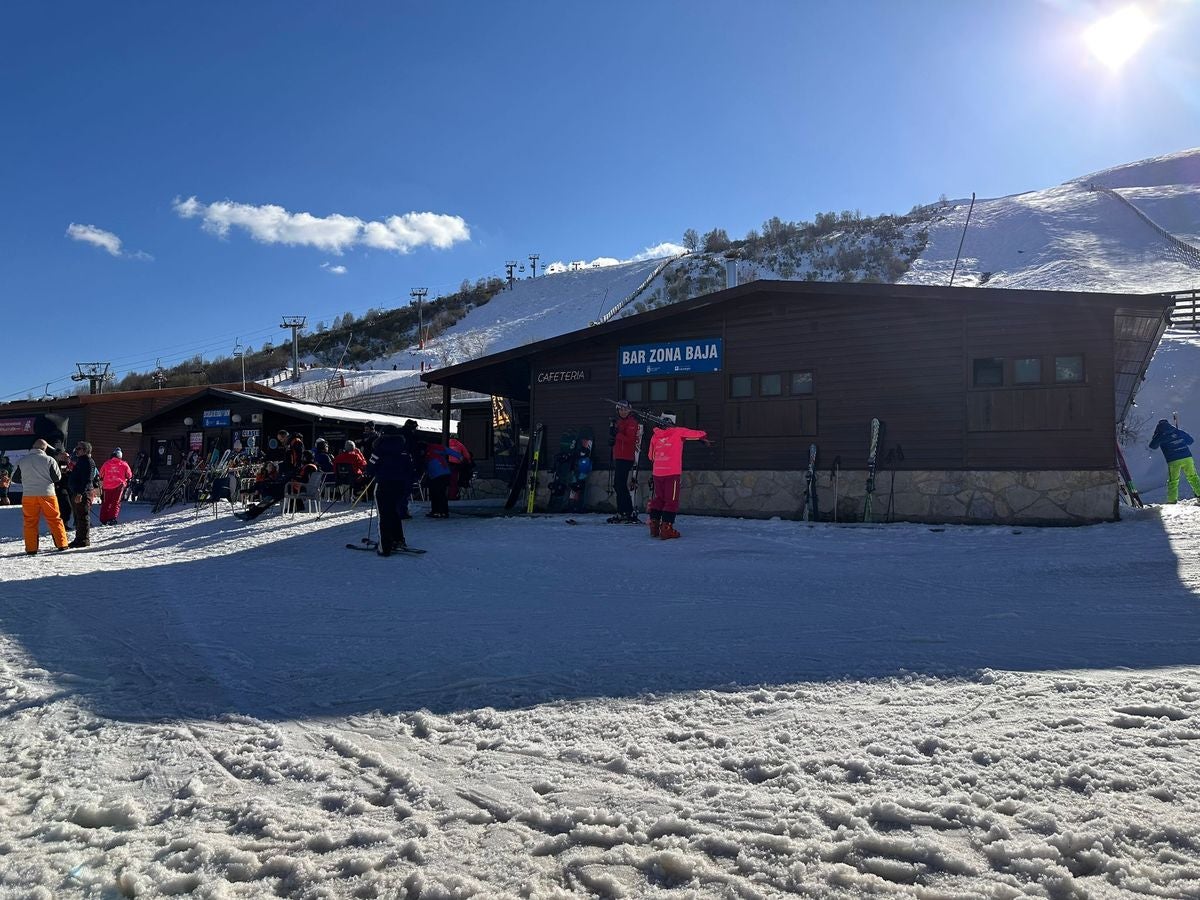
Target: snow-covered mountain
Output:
[{"x": 1132, "y": 228}]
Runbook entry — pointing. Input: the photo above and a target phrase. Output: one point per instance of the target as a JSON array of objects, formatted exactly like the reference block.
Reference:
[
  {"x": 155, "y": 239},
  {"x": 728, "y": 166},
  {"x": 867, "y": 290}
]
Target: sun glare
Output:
[{"x": 1114, "y": 39}]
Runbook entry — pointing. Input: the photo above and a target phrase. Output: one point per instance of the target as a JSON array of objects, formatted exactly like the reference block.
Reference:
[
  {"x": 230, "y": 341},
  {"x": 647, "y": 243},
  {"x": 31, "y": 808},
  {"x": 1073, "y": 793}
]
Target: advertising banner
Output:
[
  {"x": 215, "y": 418},
  {"x": 671, "y": 358},
  {"x": 16, "y": 427}
]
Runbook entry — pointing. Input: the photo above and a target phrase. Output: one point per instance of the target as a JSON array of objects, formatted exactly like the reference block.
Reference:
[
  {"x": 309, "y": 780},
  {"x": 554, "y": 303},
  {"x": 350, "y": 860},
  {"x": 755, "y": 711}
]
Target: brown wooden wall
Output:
[{"x": 906, "y": 362}]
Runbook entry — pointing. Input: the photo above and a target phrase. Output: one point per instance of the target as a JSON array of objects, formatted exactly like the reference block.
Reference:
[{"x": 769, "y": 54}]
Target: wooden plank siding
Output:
[{"x": 909, "y": 363}]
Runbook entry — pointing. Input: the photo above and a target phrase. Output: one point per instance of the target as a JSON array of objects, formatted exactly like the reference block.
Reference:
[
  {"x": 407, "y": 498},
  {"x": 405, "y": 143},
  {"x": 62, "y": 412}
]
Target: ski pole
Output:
[
  {"x": 833, "y": 475},
  {"x": 370, "y": 520}
]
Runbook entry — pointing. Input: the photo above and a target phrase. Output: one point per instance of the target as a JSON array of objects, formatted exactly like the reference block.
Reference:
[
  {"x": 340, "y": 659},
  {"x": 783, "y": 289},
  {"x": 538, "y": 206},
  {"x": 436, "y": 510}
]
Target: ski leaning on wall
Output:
[
  {"x": 811, "y": 512},
  {"x": 1129, "y": 491},
  {"x": 872, "y": 453}
]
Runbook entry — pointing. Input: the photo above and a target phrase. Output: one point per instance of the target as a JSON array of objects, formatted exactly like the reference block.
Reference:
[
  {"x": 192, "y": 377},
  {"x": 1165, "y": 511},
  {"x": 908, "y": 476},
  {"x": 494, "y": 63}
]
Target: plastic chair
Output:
[
  {"x": 343, "y": 483},
  {"x": 310, "y": 496}
]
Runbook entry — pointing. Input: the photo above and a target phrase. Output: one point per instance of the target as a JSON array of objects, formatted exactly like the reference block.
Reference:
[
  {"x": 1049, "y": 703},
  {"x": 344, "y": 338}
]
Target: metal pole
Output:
[{"x": 963, "y": 238}]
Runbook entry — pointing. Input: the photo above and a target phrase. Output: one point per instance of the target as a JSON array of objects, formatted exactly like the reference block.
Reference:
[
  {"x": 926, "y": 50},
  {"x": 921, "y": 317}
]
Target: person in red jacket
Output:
[
  {"x": 626, "y": 432},
  {"x": 666, "y": 451}
]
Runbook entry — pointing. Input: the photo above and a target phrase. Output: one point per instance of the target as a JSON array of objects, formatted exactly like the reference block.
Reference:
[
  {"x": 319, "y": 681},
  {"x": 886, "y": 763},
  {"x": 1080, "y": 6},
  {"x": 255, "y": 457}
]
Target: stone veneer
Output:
[{"x": 981, "y": 498}]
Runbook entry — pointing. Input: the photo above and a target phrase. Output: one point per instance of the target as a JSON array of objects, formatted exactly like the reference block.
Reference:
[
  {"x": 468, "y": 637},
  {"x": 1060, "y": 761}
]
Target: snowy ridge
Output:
[{"x": 1068, "y": 237}]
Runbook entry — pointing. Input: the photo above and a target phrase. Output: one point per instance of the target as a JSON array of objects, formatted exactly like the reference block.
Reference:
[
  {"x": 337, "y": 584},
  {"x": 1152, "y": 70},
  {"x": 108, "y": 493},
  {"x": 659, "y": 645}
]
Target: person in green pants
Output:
[{"x": 1174, "y": 442}]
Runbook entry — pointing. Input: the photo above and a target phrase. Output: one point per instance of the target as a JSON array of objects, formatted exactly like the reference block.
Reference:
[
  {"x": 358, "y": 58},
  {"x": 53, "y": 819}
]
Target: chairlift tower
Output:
[
  {"x": 295, "y": 323},
  {"x": 509, "y": 267},
  {"x": 95, "y": 374},
  {"x": 418, "y": 294},
  {"x": 533, "y": 261}
]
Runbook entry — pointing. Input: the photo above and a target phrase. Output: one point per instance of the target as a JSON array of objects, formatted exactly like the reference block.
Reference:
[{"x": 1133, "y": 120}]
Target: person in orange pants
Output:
[{"x": 38, "y": 475}]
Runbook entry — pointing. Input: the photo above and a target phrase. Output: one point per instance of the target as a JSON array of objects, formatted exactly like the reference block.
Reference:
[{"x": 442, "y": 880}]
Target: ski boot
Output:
[
  {"x": 667, "y": 531},
  {"x": 654, "y": 529}
]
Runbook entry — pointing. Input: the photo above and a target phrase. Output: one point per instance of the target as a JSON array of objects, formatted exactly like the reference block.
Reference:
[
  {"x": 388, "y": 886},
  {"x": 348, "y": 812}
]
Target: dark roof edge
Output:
[{"x": 850, "y": 288}]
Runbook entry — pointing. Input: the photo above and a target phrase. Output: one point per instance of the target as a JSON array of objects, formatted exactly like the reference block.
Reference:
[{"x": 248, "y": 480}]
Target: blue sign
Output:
[
  {"x": 672, "y": 358},
  {"x": 215, "y": 418}
]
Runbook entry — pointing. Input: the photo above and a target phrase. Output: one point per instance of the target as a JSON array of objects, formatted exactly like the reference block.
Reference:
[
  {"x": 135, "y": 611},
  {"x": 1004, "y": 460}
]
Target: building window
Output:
[
  {"x": 685, "y": 389},
  {"x": 988, "y": 372},
  {"x": 741, "y": 386},
  {"x": 1068, "y": 369},
  {"x": 770, "y": 385},
  {"x": 1027, "y": 371},
  {"x": 660, "y": 391},
  {"x": 634, "y": 391},
  {"x": 802, "y": 383}
]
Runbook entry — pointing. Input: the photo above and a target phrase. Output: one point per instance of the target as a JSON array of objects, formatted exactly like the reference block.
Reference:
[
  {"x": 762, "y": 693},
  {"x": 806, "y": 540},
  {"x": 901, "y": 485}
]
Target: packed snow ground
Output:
[{"x": 532, "y": 709}]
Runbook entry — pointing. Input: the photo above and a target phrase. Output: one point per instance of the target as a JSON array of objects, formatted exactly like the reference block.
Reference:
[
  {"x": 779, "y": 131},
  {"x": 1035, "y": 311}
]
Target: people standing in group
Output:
[
  {"x": 6, "y": 470},
  {"x": 79, "y": 486},
  {"x": 37, "y": 473},
  {"x": 1174, "y": 443},
  {"x": 115, "y": 474},
  {"x": 666, "y": 452},
  {"x": 438, "y": 458},
  {"x": 391, "y": 466},
  {"x": 623, "y": 432}
]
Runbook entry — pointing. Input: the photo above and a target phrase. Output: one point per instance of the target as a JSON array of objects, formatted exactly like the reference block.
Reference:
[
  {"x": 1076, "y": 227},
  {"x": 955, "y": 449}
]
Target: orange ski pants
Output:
[{"x": 35, "y": 508}]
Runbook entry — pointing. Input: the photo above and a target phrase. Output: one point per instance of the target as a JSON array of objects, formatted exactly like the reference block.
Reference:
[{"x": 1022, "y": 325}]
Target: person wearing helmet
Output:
[
  {"x": 666, "y": 452},
  {"x": 1173, "y": 442}
]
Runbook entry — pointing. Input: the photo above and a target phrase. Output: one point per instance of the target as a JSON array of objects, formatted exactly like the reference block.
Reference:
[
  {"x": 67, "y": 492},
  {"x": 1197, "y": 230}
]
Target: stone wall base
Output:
[{"x": 985, "y": 498}]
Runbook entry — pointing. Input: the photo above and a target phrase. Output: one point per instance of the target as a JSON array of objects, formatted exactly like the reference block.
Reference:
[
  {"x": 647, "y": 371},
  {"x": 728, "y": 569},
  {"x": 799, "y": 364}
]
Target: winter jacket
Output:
[
  {"x": 666, "y": 448},
  {"x": 390, "y": 460},
  {"x": 626, "y": 438},
  {"x": 438, "y": 459},
  {"x": 352, "y": 458},
  {"x": 1173, "y": 442},
  {"x": 80, "y": 480},
  {"x": 38, "y": 474},
  {"x": 323, "y": 460},
  {"x": 115, "y": 473}
]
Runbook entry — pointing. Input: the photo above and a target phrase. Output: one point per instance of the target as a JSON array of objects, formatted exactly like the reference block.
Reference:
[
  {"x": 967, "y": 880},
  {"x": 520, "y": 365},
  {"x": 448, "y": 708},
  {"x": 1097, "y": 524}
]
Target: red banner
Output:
[{"x": 16, "y": 427}]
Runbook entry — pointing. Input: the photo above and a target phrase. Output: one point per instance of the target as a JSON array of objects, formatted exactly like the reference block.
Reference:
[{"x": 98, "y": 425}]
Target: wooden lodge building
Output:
[{"x": 999, "y": 406}]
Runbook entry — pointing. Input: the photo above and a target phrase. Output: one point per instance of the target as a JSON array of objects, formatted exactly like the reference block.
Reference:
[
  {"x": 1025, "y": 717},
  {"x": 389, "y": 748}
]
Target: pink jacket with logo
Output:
[
  {"x": 114, "y": 473},
  {"x": 666, "y": 448}
]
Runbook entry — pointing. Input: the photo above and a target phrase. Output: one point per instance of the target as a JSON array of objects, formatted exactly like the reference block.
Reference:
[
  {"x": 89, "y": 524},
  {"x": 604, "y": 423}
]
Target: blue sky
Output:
[{"x": 199, "y": 137}]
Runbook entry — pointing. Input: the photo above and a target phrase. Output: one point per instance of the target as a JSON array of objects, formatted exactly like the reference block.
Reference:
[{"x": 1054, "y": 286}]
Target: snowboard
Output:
[
  {"x": 810, "y": 513},
  {"x": 518, "y": 481}
]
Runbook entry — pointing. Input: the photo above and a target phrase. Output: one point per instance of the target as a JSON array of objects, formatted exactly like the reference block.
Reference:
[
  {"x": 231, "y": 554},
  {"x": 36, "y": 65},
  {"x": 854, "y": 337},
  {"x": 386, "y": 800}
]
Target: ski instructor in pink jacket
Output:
[
  {"x": 666, "y": 450},
  {"x": 114, "y": 475}
]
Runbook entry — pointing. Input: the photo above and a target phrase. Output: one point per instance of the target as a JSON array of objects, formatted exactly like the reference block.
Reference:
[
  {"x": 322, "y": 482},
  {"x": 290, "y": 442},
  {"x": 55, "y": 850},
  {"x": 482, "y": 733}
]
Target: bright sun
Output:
[{"x": 1114, "y": 39}]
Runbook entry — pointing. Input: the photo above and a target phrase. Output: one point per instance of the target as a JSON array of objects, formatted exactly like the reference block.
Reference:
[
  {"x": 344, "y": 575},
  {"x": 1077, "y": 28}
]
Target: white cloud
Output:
[
  {"x": 658, "y": 251},
  {"x": 334, "y": 270},
  {"x": 105, "y": 240},
  {"x": 97, "y": 237},
  {"x": 334, "y": 233}
]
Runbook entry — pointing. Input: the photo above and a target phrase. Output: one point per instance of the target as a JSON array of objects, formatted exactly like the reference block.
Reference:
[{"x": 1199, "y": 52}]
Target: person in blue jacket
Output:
[{"x": 1173, "y": 442}]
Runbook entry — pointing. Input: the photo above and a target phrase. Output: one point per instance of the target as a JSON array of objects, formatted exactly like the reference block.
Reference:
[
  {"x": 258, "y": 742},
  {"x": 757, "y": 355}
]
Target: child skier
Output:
[
  {"x": 666, "y": 451},
  {"x": 1173, "y": 442}
]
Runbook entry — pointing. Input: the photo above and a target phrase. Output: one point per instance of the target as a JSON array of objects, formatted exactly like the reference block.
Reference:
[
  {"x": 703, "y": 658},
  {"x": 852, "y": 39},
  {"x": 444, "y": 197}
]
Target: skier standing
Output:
[
  {"x": 666, "y": 451},
  {"x": 1173, "y": 442},
  {"x": 392, "y": 468},
  {"x": 114, "y": 475},
  {"x": 624, "y": 432}
]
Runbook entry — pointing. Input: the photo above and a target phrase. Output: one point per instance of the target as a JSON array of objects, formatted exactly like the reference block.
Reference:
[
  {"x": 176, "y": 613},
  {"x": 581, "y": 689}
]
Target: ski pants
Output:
[
  {"x": 82, "y": 510},
  {"x": 438, "y": 488},
  {"x": 1187, "y": 468},
  {"x": 110, "y": 505},
  {"x": 35, "y": 508},
  {"x": 621, "y": 470},
  {"x": 665, "y": 502},
  {"x": 391, "y": 497}
]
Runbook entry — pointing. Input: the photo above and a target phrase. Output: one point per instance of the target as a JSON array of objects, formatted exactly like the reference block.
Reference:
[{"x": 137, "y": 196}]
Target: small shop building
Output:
[
  {"x": 218, "y": 419},
  {"x": 997, "y": 406}
]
